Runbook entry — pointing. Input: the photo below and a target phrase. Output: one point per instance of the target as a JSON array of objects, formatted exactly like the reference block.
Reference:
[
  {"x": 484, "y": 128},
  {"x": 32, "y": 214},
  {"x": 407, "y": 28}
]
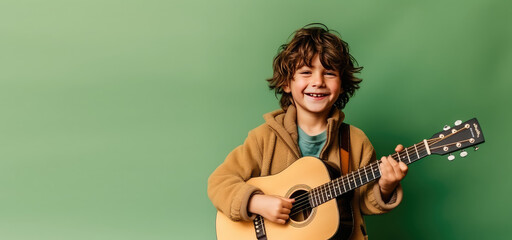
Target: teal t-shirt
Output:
[{"x": 311, "y": 145}]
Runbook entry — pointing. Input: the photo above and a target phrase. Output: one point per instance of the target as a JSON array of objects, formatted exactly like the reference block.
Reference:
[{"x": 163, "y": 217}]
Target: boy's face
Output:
[{"x": 314, "y": 89}]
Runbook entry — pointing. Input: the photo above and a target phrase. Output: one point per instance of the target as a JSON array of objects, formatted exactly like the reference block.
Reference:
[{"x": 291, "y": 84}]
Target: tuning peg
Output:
[
  {"x": 451, "y": 157},
  {"x": 446, "y": 127},
  {"x": 463, "y": 153},
  {"x": 476, "y": 148},
  {"x": 458, "y": 122}
]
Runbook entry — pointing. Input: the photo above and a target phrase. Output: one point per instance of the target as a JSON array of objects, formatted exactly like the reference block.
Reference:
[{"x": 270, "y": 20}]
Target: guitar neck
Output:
[
  {"x": 362, "y": 176},
  {"x": 461, "y": 136}
]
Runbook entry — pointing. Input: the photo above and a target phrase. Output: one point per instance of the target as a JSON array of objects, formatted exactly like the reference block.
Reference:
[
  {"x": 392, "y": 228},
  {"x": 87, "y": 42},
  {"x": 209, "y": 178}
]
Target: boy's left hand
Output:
[{"x": 392, "y": 172}]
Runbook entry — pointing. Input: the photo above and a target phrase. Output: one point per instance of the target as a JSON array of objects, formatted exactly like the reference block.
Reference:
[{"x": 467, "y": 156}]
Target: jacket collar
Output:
[{"x": 284, "y": 124}]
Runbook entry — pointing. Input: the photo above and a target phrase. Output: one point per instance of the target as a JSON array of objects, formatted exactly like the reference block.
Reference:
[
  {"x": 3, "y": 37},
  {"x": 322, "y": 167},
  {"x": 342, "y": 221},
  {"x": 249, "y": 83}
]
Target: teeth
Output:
[{"x": 316, "y": 95}]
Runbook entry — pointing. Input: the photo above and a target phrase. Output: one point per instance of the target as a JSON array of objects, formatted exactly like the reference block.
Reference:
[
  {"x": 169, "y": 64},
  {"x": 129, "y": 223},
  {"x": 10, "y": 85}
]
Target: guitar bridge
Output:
[{"x": 259, "y": 228}]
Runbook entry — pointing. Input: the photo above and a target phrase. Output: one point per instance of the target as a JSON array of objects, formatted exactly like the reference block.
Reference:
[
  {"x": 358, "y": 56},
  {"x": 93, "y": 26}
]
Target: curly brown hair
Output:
[{"x": 309, "y": 41}]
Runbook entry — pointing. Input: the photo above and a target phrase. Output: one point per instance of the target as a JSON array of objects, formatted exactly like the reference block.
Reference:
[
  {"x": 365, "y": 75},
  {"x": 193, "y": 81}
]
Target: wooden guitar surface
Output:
[{"x": 305, "y": 174}]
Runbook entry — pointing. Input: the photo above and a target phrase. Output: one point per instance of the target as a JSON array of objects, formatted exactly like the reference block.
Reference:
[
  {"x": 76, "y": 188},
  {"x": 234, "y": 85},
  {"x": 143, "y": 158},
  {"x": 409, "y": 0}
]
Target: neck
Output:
[{"x": 311, "y": 123}]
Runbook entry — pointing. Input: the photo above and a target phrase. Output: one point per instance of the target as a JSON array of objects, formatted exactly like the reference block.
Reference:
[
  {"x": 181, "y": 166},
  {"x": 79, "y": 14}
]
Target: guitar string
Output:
[
  {"x": 346, "y": 176},
  {"x": 449, "y": 144},
  {"x": 302, "y": 201},
  {"x": 451, "y": 134},
  {"x": 304, "y": 204}
]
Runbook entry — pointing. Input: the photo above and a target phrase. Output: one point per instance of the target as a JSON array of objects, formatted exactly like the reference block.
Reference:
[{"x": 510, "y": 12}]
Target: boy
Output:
[{"x": 314, "y": 73}]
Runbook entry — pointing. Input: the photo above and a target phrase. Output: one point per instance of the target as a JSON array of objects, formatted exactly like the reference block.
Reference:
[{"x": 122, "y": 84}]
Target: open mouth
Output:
[{"x": 316, "y": 94}]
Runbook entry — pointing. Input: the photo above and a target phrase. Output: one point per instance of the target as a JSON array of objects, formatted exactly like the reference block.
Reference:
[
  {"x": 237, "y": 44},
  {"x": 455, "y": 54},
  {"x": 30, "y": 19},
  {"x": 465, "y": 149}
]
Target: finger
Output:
[
  {"x": 385, "y": 162},
  {"x": 283, "y": 216},
  {"x": 392, "y": 161},
  {"x": 385, "y": 167},
  {"x": 285, "y": 211},
  {"x": 398, "y": 172},
  {"x": 286, "y": 204},
  {"x": 399, "y": 148},
  {"x": 280, "y": 221},
  {"x": 403, "y": 168}
]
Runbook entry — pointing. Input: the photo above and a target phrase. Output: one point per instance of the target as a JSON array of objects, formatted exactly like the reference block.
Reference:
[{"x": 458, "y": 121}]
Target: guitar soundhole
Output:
[{"x": 303, "y": 214}]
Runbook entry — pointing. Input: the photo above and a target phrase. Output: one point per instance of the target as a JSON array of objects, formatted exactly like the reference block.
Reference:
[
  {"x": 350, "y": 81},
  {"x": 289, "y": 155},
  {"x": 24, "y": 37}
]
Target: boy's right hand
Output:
[{"x": 273, "y": 208}]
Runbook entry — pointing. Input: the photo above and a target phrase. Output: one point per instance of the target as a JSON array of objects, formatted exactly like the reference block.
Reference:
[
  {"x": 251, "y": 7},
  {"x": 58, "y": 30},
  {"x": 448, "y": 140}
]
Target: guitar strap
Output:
[
  {"x": 345, "y": 202},
  {"x": 344, "y": 140}
]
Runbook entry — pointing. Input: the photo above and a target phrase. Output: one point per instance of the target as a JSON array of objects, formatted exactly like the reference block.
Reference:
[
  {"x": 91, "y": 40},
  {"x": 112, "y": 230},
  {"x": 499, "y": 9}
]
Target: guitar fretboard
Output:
[{"x": 360, "y": 177}]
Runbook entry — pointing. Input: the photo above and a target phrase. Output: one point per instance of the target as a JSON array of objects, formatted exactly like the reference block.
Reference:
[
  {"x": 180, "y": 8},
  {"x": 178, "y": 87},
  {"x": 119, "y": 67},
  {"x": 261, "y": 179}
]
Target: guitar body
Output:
[{"x": 305, "y": 174}]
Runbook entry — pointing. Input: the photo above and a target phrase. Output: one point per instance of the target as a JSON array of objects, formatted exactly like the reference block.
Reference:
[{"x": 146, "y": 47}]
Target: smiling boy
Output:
[{"x": 314, "y": 74}]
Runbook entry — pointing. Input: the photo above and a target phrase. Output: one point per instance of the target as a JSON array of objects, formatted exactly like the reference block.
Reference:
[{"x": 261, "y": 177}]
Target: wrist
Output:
[
  {"x": 386, "y": 193},
  {"x": 253, "y": 206}
]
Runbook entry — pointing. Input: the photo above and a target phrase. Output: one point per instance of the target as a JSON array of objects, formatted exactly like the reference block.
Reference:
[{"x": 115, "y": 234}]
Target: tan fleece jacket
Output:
[{"x": 272, "y": 147}]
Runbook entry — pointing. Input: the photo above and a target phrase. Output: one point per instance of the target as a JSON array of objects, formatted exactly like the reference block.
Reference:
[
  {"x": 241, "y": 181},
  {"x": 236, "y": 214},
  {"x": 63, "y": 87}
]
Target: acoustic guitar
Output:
[{"x": 315, "y": 214}]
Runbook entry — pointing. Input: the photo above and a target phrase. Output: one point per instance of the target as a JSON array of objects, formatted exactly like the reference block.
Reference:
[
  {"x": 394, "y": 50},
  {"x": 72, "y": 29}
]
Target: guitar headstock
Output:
[{"x": 458, "y": 137}]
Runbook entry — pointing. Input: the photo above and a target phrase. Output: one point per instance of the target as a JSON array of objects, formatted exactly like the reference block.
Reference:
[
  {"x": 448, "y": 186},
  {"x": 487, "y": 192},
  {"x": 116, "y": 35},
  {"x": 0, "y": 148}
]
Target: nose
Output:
[{"x": 317, "y": 80}]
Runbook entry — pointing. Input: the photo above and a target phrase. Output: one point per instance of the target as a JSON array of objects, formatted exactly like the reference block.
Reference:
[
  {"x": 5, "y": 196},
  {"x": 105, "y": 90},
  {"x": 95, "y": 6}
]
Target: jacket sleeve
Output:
[
  {"x": 226, "y": 185},
  {"x": 370, "y": 196}
]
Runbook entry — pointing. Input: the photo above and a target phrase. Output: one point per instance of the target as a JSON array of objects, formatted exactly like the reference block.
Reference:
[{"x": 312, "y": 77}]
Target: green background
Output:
[{"x": 114, "y": 113}]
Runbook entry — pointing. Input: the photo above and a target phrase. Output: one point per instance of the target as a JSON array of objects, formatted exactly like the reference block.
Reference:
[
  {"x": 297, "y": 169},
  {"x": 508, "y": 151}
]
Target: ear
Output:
[{"x": 287, "y": 89}]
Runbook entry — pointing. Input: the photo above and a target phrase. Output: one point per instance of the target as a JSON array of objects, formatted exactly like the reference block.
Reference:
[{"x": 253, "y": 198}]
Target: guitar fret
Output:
[
  {"x": 354, "y": 178},
  {"x": 330, "y": 192},
  {"x": 378, "y": 170},
  {"x": 317, "y": 197},
  {"x": 407, "y": 155},
  {"x": 426, "y": 146},
  {"x": 416, "y": 151},
  {"x": 343, "y": 184},
  {"x": 360, "y": 179},
  {"x": 371, "y": 167},
  {"x": 322, "y": 194},
  {"x": 399, "y": 159},
  {"x": 325, "y": 193},
  {"x": 312, "y": 196}
]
